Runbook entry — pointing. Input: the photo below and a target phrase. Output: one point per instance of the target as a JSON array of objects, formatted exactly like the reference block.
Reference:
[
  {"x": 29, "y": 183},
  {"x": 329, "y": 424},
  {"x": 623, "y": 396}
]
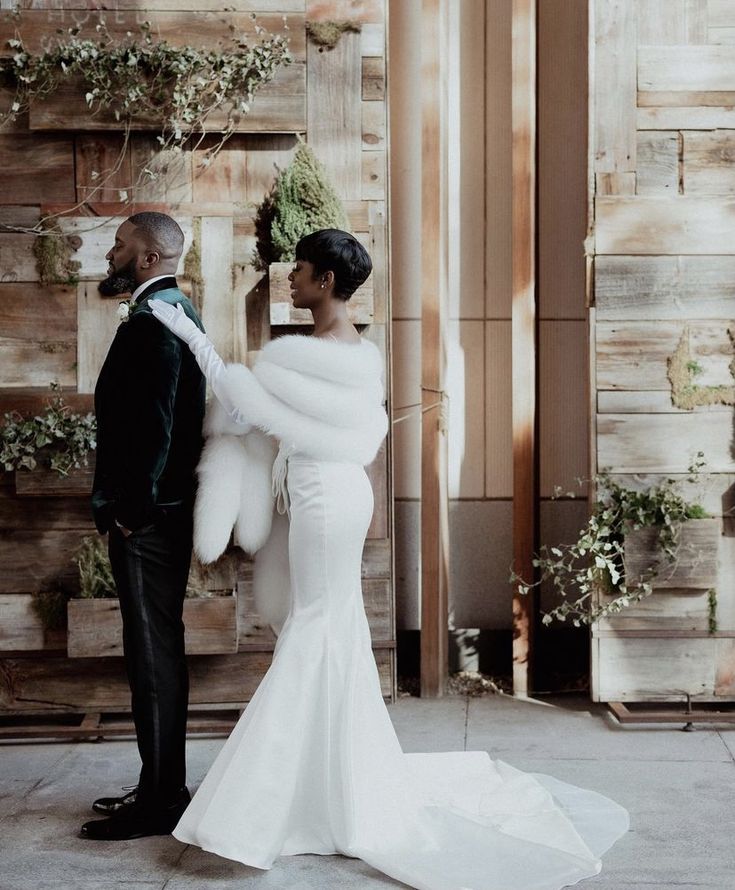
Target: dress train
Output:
[{"x": 314, "y": 764}]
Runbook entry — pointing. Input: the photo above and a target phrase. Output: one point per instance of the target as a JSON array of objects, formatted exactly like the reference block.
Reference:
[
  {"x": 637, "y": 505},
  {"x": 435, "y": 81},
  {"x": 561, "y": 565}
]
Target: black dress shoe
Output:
[
  {"x": 109, "y": 805},
  {"x": 135, "y": 820}
]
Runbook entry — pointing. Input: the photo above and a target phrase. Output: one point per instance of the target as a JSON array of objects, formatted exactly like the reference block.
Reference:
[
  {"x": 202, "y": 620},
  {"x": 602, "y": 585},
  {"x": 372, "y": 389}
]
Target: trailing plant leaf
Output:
[
  {"x": 594, "y": 562},
  {"x": 50, "y": 606},
  {"x": 301, "y": 201},
  {"x": 59, "y": 438},
  {"x": 95, "y": 572}
]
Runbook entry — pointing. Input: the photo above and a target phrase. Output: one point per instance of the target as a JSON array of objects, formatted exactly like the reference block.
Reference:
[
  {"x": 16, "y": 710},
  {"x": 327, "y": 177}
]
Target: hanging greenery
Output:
[
  {"x": 149, "y": 83},
  {"x": 594, "y": 562},
  {"x": 95, "y": 571},
  {"x": 301, "y": 200},
  {"x": 53, "y": 254},
  {"x": 59, "y": 438}
]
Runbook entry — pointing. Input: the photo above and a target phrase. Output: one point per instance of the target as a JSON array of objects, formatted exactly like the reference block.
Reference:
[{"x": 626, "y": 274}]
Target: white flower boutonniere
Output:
[{"x": 125, "y": 309}]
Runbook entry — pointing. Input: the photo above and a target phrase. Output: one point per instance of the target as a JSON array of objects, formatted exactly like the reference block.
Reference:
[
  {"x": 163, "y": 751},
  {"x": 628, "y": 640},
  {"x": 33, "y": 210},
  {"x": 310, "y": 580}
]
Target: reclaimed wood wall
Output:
[
  {"x": 662, "y": 245},
  {"x": 50, "y": 160}
]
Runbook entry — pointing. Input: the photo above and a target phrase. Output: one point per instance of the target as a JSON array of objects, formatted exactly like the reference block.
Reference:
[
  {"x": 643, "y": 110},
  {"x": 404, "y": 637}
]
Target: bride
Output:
[{"x": 314, "y": 765}]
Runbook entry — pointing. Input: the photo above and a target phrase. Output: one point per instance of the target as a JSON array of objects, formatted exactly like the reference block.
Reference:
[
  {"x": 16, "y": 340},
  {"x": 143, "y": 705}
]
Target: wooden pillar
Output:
[
  {"x": 434, "y": 499},
  {"x": 524, "y": 323}
]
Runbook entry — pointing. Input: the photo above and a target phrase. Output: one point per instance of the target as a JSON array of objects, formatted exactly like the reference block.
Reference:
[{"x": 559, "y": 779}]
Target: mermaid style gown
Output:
[{"x": 314, "y": 765}]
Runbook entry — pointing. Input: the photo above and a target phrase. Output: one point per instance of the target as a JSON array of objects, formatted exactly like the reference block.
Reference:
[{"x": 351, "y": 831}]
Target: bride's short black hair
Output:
[{"x": 332, "y": 250}]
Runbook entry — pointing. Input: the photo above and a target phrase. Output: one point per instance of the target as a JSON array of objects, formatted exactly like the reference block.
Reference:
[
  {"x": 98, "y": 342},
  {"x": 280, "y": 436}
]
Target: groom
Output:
[{"x": 149, "y": 403}]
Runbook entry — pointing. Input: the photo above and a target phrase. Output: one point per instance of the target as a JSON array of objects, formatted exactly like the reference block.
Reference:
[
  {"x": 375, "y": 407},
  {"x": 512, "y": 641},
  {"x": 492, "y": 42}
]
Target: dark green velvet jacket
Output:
[{"x": 149, "y": 402}]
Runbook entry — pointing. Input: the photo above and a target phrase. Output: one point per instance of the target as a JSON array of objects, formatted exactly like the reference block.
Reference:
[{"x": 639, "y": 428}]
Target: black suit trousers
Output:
[{"x": 150, "y": 568}]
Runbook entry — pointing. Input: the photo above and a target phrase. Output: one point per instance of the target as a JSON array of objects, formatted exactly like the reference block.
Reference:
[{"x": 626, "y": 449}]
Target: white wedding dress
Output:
[{"x": 314, "y": 765}]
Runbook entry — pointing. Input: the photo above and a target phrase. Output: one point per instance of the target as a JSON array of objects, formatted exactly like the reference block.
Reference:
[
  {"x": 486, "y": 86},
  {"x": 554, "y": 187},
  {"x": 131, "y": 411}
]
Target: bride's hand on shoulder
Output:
[{"x": 175, "y": 319}]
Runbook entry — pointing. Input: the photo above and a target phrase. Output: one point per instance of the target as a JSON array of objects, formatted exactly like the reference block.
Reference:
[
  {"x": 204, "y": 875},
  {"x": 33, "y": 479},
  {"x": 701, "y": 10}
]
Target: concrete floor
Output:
[{"x": 679, "y": 788}]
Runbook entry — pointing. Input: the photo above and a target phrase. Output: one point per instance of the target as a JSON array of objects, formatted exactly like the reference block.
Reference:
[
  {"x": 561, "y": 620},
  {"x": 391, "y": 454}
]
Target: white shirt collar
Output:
[{"x": 141, "y": 287}]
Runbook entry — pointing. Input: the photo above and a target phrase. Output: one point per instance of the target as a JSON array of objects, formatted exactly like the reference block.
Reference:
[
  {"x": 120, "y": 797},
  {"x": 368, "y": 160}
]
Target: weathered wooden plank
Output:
[
  {"x": 45, "y": 482},
  {"x": 102, "y": 167},
  {"x": 170, "y": 175},
  {"x": 666, "y": 609},
  {"x": 29, "y": 401},
  {"x": 646, "y": 402},
  {"x": 14, "y": 216},
  {"x": 36, "y": 168},
  {"x": 614, "y": 86},
  {"x": 658, "y": 163},
  {"x": 725, "y": 668},
  {"x": 45, "y": 512},
  {"x": 373, "y": 126},
  {"x": 200, "y": 27},
  {"x": 376, "y": 558},
  {"x": 264, "y": 157},
  {"x": 17, "y": 260},
  {"x": 720, "y": 14},
  {"x": 655, "y": 670},
  {"x": 700, "y": 117},
  {"x": 661, "y": 21},
  {"x": 362, "y": 11},
  {"x": 377, "y": 473},
  {"x": 372, "y": 39},
  {"x": 663, "y": 443},
  {"x": 97, "y": 323},
  {"x": 378, "y": 249},
  {"x": 714, "y": 491},
  {"x": 373, "y": 78},
  {"x": 66, "y": 8},
  {"x": 216, "y": 297},
  {"x": 333, "y": 111},
  {"x": 680, "y": 224},
  {"x": 661, "y": 287},
  {"x": 722, "y": 36},
  {"x": 633, "y": 355},
  {"x": 21, "y": 628},
  {"x": 707, "y": 162},
  {"x": 38, "y": 336},
  {"x": 562, "y": 391},
  {"x": 278, "y": 107},
  {"x": 697, "y": 15},
  {"x": 615, "y": 183},
  {"x": 686, "y": 99},
  {"x": 35, "y": 559},
  {"x": 374, "y": 175},
  {"x": 56, "y": 683},
  {"x": 95, "y": 626},
  {"x": 695, "y": 565},
  {"x": 685, "y": 68}
]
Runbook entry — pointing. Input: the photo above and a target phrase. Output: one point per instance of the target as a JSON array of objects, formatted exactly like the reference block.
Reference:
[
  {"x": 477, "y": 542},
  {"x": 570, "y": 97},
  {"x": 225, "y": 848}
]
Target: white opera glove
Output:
[{"x": 176, "y": 320}]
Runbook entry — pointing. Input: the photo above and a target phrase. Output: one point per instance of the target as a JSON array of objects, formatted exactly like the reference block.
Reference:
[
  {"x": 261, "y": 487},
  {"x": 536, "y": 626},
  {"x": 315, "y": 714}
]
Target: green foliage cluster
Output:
[
  {"x": 54, "y": 256},
  {"x": 140, "y": 78},
  {"x": 301, "y": 201},
  {"x": 326, "y": 35},
  {"x": 594, "y": 562},
  {"x": 50, "y": 606},
  {"x": 95, "y": 571},
  {"x": 60, "y": 437}
]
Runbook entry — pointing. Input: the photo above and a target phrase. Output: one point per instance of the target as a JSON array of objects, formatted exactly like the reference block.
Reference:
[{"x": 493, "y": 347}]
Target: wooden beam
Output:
[
  {"x": 434, "y": 501},
  {"x": 523, "y": 315}
]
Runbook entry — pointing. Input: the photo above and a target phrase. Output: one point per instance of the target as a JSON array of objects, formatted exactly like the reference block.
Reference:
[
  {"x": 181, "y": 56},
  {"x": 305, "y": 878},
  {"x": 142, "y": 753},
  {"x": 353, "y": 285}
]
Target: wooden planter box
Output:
[
  {"x": 359, "y": 308},
  {"x": 44, "y": 482},
  {"x": 95, "y": 626},
  {"x": 696, "y": 564}
]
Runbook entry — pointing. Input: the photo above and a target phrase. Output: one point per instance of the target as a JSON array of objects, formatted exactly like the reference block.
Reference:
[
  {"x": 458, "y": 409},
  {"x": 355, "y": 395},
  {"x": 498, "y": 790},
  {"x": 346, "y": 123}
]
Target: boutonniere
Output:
[{"x": 125, "y": 309}]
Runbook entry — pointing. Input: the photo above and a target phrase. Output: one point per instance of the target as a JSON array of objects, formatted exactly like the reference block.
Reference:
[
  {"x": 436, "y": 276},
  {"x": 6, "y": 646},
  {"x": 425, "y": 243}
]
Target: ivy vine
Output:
[
  {"x": 149, "y": 83},
  {"x": 594, "y": 562}
]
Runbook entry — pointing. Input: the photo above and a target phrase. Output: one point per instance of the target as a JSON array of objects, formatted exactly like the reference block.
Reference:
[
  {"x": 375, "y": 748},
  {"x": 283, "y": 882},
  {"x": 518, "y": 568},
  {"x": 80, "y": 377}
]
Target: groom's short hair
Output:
[{"x": 162, "y": 233}]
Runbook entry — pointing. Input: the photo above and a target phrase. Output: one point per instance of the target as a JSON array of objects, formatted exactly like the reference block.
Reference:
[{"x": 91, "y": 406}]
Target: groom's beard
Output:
[{"x": 122, "y": 281}]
